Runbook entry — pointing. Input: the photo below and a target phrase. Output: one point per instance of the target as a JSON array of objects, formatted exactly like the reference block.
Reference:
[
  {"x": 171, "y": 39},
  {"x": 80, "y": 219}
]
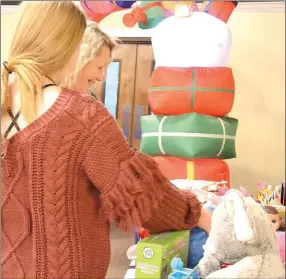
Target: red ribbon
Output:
[{"x": 138, "y": 14}]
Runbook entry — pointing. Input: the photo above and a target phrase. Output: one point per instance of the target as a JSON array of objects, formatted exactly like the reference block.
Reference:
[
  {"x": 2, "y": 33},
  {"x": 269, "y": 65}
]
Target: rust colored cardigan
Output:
[{"x": 64, "y": 178}]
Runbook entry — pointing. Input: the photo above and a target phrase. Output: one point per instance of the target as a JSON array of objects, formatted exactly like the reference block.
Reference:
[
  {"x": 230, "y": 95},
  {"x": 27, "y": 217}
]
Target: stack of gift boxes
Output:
[{"x": 191, "y": 91}]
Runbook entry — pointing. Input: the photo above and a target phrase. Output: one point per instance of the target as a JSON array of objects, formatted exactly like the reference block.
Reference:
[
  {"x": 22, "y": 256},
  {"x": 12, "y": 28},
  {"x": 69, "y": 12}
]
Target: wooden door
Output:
[
  {"x": 144, "y": 68},
  {"x": 124, "y": 92},
  {"x": 117, "y": 91}
]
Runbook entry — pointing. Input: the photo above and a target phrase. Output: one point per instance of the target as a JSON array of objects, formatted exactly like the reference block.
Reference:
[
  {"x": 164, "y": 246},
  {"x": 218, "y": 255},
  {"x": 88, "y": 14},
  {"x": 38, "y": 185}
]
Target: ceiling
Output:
[
  {"x": 18, "y": 2},
  {"x": 10, "y": 3}
]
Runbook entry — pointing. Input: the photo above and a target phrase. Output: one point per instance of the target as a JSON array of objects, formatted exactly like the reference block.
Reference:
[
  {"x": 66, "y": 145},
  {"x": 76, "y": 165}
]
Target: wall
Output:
[
  {"x": 258, "y": 62},
  {"x": 8, "y": 24}
]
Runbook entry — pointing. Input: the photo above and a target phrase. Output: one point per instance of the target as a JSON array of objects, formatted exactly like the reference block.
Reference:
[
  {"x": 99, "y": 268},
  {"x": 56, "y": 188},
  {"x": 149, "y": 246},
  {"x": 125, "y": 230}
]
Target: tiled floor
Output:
[{"x": 120, "y": 242}]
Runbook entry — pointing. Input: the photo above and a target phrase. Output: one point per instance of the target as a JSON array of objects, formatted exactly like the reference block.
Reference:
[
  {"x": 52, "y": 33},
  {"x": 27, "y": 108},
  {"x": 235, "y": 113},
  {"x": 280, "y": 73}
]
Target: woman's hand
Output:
[{"x": 205, "y": 220}]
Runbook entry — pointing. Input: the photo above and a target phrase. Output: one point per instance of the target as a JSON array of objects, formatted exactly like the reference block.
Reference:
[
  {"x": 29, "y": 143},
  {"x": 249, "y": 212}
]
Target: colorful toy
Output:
[
  {"x": 281, "y": 212},
  {"x": 260, "y": 187},
  {"x": 274, "y": 216},
  {"x": 267, "y": 194},
  {"x": 178, "y": 270},
  {"x": 155, "y": 253},
  {"x": 279, "y": 195},
  {"x": 242, "y": 236},
  {"x": 143, "y": 233}
]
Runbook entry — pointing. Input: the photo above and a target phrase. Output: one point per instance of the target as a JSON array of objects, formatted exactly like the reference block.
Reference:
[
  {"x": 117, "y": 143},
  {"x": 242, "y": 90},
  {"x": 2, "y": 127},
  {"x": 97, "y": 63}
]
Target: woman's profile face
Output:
[{"x": 95, "y": 70}]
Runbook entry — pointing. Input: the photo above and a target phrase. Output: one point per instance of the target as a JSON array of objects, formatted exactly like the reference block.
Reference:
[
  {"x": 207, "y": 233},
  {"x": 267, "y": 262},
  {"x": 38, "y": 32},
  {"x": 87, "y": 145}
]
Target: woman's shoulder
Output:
[
  {"x": 80, "y": 102},
  {"x": 77, "y": 95},
  {"x": 86, "y": 109}
]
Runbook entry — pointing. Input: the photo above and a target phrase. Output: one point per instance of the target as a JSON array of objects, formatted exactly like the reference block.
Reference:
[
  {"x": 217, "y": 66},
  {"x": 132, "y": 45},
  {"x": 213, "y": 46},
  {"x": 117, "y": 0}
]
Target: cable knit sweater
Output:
[{"x": 64, "y": 178}]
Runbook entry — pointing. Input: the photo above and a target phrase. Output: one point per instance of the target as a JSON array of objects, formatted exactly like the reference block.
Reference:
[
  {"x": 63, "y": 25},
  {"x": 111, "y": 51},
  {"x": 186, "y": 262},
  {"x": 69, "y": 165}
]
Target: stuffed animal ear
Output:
[{"x": 234, "y": 201}]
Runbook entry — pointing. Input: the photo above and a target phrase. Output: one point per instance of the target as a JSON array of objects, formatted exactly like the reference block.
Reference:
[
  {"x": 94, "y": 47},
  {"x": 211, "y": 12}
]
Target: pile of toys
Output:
[
  {"x": 167, "y": 255},
  {"x": 273, "y": 199},
  {"x": 210, "y": 194}
]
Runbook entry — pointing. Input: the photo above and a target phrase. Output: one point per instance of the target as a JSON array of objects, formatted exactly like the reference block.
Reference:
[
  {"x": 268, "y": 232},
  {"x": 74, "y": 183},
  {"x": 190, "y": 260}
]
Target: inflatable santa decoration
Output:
[{"x": 190, "y": 93}]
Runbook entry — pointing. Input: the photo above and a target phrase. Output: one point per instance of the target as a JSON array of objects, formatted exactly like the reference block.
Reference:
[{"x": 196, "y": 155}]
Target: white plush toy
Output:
[{"x": 243, "y": 238}]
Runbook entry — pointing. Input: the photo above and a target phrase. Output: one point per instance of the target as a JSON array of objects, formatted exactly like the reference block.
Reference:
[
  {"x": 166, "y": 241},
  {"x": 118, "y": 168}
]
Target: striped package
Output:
[{"x": 189, "y": 136}]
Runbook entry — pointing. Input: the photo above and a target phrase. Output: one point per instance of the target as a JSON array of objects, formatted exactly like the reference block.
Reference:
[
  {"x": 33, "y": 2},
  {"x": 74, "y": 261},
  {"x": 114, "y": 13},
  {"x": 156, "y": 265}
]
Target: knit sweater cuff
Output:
[{"x": 179, "y": 210}]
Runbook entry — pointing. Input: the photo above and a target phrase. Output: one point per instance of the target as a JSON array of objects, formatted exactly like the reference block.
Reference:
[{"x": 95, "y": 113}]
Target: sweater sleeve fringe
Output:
[
  {"x": 137, "y": 193},
  {"x": 143, "y": 196}
]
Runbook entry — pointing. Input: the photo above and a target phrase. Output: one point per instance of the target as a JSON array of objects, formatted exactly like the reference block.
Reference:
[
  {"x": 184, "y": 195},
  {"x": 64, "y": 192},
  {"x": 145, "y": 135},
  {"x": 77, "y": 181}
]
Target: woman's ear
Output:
[{"x": 235, "y": 206}]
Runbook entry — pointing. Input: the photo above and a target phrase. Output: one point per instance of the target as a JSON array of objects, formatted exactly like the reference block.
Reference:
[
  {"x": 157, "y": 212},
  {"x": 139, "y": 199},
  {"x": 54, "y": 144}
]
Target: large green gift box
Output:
[{"x": 190, "y": 135}]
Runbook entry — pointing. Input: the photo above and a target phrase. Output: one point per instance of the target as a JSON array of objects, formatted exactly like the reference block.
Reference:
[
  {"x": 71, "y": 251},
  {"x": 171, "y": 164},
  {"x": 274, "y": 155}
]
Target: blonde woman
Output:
[
  {"x": 94, "y": 58},
  {"x": 67, "y": 170}
]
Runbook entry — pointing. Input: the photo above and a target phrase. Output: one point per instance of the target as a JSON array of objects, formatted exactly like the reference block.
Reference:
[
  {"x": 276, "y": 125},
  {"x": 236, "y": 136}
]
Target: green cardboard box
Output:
[{"x": 155, "y": 253}]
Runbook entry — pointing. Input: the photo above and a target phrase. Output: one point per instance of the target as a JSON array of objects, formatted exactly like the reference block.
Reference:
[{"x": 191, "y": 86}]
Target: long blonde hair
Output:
[
  {"x": 47, "y": 35},
  {"x": 94, "y": 40}
]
